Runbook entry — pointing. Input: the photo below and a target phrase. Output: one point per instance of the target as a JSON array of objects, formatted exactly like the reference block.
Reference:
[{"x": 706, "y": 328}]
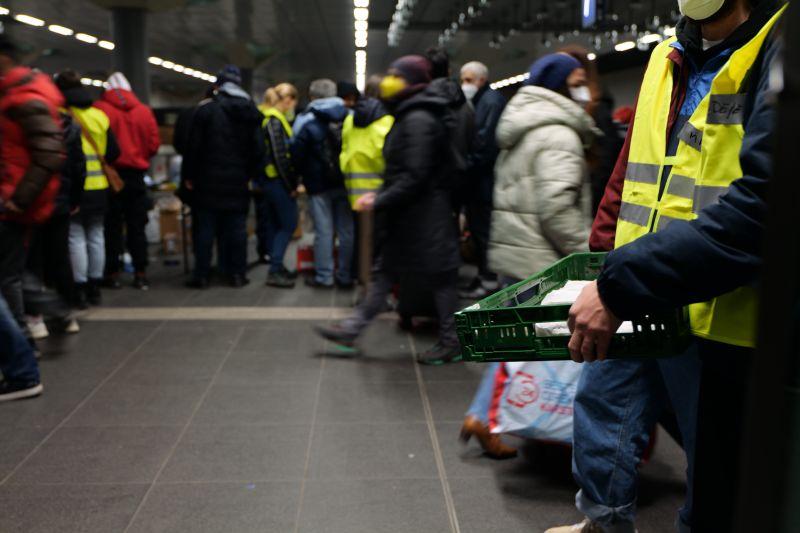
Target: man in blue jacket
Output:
[
  {"x": 477, "y": 191},
  {"x": 315, "y": 149},
  {"x": 687, "y": 227}
]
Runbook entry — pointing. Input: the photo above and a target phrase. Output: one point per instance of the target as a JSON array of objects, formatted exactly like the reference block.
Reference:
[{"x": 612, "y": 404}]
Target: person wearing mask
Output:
[
  {"x": 31, "y": 156},
  {"x": 684, "y": 213},
  {"x": 86, "y": 230},
  {"x": 223, "y": 154},
  {"x": 315, "y": 148},
  {"x": 136, "y": 130},
  {"x": 280, "y": 185},
  {"x": 418, "y": 227},
  {"x": 479, "y": 183}
]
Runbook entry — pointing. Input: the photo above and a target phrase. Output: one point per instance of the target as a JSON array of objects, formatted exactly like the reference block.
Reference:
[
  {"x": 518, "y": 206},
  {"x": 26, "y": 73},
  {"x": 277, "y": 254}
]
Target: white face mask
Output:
[
  {"x": 700, "y": 9},
  {"x": 469, "y": 90},
  {"x": 581, "y": 95}
]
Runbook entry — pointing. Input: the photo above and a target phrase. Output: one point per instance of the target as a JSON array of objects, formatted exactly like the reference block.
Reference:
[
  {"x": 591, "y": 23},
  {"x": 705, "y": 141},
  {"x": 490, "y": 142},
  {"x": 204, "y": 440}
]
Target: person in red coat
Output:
[
  {"x": 31, "y": 156},
  {"x": 136, "y": 131}
]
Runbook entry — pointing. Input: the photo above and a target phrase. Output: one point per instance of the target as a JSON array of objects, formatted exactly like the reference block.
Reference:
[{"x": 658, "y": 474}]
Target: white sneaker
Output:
[
  {"x": 37, "y": 328},
  {"x": 72, "y": 326}
]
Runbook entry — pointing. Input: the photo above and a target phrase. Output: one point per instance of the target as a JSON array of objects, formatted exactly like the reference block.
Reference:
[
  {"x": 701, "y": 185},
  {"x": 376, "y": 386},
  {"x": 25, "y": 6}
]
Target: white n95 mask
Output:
[
  {"x": 469, "y": 90},
  {"x": 581, "y": 94},
  {"x": 700, "y": 9}
]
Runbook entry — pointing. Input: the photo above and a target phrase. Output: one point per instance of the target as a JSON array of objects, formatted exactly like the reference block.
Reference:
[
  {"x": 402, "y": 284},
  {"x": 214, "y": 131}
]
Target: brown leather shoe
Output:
[{"x": 491, "y": 444}]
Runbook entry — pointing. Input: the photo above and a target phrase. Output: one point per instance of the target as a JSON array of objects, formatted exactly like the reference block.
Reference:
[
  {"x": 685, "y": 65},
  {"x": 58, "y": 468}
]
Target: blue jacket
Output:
[
  {"x": 489, "y": 105},
  {"x": 721, "y": 250},
  {"x": 317, "y": 143}
]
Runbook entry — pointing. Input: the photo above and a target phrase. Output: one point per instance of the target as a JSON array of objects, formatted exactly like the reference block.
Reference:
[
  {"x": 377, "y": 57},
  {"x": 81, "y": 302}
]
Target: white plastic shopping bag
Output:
[{"x": 534, "y": 400}]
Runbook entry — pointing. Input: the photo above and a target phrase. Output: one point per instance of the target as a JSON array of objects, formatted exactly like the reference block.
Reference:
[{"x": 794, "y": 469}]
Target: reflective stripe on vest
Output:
[
  {"x": 702, "y": 170},
  {"x": 97, "y": 124},
  {"x": 361, "y": 160}
]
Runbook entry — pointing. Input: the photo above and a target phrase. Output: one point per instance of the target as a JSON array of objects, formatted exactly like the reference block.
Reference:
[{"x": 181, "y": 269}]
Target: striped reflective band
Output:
[
  {"x": 643, "y": 173},
  {"x": 635, "y": 214},
  {"x": 92, "y": 157},
  {"x": 726, "y": 109},
  {"x": 95, "y": 173},
  {"x": 664, "y": 221},
  {"x": 705, "y": 196},
  {"x": 364, "y": 175},
  {"x": 691, "y": 136},
  {"x": 681, "y": 186}
]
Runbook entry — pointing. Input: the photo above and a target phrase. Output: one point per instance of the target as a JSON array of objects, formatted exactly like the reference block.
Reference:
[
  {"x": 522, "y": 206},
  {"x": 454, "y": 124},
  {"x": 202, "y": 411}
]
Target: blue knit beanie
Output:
[
  {"x": 229, "y": 73},
  {"x": 552, "y": 71}
]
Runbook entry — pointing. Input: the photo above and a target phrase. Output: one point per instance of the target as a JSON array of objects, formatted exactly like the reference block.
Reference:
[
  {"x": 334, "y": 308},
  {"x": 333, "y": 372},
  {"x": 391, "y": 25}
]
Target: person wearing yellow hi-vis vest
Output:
[
  {"x": 86, "y": 232},
  {"x": 684, "y": 213}
]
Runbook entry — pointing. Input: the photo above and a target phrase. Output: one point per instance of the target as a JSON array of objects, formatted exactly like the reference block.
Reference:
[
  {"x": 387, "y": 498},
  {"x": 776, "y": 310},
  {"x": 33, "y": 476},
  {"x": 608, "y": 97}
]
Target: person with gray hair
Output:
[
  {"x": 315, "y": 150},
  {"x": 477, "y": 190}
]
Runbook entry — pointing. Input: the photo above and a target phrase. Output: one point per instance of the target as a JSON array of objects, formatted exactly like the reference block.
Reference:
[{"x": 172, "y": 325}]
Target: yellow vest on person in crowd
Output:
[
  {"x": 270, "y": 112},
  {"x": 97, "y": 124},
  {"x": 361, "y": 159},
  {"x": 705, "y": 165}
]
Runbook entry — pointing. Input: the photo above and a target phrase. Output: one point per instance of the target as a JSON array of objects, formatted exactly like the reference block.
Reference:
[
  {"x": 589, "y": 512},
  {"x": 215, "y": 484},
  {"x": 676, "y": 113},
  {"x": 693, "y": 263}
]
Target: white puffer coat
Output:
[{"x": 542, "y": 196}]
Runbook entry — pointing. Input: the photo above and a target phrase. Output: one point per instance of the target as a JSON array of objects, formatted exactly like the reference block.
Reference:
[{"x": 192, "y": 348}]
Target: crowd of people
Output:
[{"x": 426, "y": 160}]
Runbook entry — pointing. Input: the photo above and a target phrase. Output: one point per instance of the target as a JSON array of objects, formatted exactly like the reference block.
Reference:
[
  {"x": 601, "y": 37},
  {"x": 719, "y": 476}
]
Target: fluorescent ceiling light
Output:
[
  {"x": 155, "y": 60},
  {"x": 361, "y": 25},
  {"x": 61, "y": 30},
  {"x": 669, "y": 31},
  {"x": 167, "y": 64},
  {"x": 650, "y": 38},
  {"x": 27, "y": 19},
  {"x": 108, "y": 45},
  {"x": 97, "y": 83},
  {"x": 624, "y": 47},
  {"x": 178, "y": 68},
  {"x": 361, "y": 34},
  {"x": 188, "y": 71},
  {"x": 361, "y": 13},
  {"x": 591, "y": 56},
  {"x": 4, "y": 11},
  {"x": 361, "y": 3},
  {"x": 85, "y": 37},
  {"x": 86, "y": 81}
]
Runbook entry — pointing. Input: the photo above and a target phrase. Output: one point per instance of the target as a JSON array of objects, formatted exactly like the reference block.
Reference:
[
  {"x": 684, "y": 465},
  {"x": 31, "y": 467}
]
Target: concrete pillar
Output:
[{"x": 129, "y": 28}]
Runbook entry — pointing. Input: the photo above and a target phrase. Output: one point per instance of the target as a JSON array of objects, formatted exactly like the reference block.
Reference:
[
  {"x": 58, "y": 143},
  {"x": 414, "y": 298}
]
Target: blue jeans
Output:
[
  {"x": 331, "y": 213},
  {"x": 17, "y": 360},
  {"x": 483, "y": 396},
  {"x": 87, "y": 247},
  {"x": 617, "y": 404},
  {"x": 281, "y": 210},
  {"x": 231, "y": 229}
]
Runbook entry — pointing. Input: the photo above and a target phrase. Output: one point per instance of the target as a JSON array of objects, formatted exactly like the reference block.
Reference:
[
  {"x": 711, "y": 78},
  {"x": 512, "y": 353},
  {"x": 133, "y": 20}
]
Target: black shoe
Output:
[
  {"x": 140, "y": 282},
  {"x": 81, "y": 301},
  {"x": 112, "y": 282},
  {"x": 197, "y": 283},
  {"x": 291, "y": 274},
  {"x": 346, "y": 286},
  {"x": 337, "y": 335},
  {"x": 312, "y": 282},
  {"x": 263, "y": 259},
  {"x": 93, "y": 292},
  {"x": 17, "y": 391},
  {"x": 238, "y": 281},
  {"x": 280, "y": 280},
  {"x": 440, "y": 354}
]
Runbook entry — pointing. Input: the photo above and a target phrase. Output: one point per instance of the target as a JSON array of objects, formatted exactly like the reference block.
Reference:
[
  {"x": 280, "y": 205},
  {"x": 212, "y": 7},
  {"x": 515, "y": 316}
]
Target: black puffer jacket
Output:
[
  {"x": 417, "y": 221},
  {"x": 225, "y": 150},
  {"x": 73, "y": 174}
]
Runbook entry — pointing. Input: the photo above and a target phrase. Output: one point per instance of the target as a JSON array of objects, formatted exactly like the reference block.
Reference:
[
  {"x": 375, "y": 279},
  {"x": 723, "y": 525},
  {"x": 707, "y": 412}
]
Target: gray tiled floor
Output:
[{"x": 150, "y": 426}]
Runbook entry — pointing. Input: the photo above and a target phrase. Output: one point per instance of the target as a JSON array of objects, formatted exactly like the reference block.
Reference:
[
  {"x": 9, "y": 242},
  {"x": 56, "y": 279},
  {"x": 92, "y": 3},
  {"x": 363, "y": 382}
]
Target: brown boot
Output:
[{"x": 491, "y": 444}]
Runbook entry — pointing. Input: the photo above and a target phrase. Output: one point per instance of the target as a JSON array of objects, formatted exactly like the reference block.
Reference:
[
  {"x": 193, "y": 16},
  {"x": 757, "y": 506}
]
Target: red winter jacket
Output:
[
  {"x": 134, "y": 127},
  {"x": 32, "y": 147}
]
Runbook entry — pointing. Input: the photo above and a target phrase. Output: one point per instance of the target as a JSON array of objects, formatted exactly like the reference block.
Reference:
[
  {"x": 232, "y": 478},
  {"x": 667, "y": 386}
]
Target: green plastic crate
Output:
[{"x": 501, "y": 327}]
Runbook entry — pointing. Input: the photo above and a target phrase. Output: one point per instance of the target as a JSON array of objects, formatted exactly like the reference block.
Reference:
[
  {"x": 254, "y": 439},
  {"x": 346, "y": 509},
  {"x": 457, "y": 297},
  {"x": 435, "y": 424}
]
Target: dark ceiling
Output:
[{"x": 297, "y": 40}]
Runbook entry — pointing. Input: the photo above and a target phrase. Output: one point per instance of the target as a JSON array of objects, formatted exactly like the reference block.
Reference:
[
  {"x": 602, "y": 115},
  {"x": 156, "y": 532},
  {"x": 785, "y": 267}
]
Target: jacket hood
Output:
[
  {"x": 330, "y": 109},
  {"x": 78, "y": 97},
  {"x": 237, "y": 104},
  {"x": 41, "y": 85},
  {"x": 121, "y": 99},
  {"x": 688, "y": 31},
  {"x": 440, "y": 93},
  {"x": 367, "y": 111},
  {"x": 534, "y": 107},
  {"x": 233, "y": 90}
]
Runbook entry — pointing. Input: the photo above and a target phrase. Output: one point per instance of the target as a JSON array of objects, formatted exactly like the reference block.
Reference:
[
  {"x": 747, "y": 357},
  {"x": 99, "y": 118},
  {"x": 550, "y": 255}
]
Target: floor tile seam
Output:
[
  {"x": 315, "y": 413},
  {"x": 83, "y": 402},
  {"x": 280, "y": 479},
  {"x": 180, "y": 436},
  {"x": 437, "y": 450}
]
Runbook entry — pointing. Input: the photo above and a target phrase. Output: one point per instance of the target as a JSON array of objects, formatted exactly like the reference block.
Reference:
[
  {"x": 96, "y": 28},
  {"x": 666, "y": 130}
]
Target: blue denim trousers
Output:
[
  {"x": 230, "y": 230},
  {"x": 280, "y": 212},
  {"x": 17, "y": 360},
  {"x": 616, "y": 405},
  {"x": 332, "y": 217},
  {"x": 87, "y": 247}
]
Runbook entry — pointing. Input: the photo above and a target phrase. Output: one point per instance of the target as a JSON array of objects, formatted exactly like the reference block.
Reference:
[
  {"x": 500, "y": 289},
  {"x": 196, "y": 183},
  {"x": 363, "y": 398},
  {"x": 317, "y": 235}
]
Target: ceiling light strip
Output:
[{"x": 361, "y": 38}]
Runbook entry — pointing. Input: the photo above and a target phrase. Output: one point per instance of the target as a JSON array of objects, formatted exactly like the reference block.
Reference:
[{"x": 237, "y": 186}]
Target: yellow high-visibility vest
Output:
[
  {"x": 361, "y": 160},
  {"x": 705, "y": 165},
  {"x": 97, "y": 124},
  {"x": 270, "y": 112}
]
